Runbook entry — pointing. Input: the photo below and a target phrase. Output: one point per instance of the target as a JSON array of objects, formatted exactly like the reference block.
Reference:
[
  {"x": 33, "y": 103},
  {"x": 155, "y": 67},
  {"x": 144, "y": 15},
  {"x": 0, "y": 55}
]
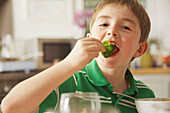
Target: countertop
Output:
[
  {"x": 146, "y": 71},
  {"x": 143, "y": 71}
]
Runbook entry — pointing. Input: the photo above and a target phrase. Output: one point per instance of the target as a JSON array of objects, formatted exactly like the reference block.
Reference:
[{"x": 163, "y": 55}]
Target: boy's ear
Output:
[{"x": 143, "y": 46}]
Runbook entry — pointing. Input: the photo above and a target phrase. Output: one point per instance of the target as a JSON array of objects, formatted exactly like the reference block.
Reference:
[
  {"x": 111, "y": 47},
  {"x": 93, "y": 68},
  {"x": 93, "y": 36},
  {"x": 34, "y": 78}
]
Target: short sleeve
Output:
[{"x": 48, "y": 103}]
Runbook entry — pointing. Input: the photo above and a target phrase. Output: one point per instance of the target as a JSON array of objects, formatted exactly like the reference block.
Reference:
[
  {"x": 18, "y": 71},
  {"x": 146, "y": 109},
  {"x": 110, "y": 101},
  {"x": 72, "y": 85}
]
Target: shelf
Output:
[{"x": 146, "y": 71}]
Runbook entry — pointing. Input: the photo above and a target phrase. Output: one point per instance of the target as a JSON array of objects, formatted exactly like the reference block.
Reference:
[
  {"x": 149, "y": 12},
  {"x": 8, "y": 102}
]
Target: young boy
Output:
[{"x": 122, "y": 22}]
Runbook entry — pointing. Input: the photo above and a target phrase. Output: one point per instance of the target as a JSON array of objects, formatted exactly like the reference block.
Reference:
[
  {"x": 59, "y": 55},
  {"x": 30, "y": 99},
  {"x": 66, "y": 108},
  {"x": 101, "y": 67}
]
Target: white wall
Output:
[
  {"x": 62, "y": 24},
  {"x": 30, "y": 23},
  {"x": 160, "y": 18},
  {"x": 163, "y": 22}
]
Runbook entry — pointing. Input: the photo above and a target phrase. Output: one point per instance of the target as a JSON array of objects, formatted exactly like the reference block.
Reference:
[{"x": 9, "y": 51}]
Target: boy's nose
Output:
[{"x": 112, "y": 34}]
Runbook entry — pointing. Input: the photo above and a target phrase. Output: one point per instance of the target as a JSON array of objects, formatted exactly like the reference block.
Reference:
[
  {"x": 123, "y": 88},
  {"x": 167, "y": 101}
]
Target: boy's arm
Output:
[{"x": 27, "y": 95}]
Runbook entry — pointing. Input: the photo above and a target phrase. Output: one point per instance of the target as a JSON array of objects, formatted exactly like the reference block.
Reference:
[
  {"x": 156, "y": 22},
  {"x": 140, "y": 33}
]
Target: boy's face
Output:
[{"x": 119, "y": 25}]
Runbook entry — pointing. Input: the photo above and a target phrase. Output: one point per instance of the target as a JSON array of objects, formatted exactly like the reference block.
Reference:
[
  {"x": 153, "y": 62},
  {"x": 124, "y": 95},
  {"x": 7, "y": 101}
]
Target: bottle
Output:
[
  {"x": 8, "y": 49},
  {"x": 146, "y": 60}
]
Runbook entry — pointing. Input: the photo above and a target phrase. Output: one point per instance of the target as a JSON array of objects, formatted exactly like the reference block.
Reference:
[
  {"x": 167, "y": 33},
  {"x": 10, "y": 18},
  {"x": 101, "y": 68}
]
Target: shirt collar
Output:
[
  {"x": 95, "y": 75},
  {"x": 97, "y": 78},
  {"x": 132, "y": 90}
]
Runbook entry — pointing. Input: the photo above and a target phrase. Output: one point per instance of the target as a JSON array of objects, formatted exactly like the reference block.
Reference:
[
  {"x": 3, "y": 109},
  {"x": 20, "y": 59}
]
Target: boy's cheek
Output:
[
  {"x": 98, "y": 34},
  {"x": 95, "y": 29},
  {"x": 129, "y": 46}
]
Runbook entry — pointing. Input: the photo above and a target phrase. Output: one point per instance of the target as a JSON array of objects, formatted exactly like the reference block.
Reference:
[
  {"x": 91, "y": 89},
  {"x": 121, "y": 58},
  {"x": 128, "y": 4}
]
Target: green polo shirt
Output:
[{"x": 91, "y": 79}]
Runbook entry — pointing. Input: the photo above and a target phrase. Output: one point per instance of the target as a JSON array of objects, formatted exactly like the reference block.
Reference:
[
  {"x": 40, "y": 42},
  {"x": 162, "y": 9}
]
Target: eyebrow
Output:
[
  {"x": 129, "y": 20},
  {"x": 103, "y": 17},
  {"x": 124, "y": 19}
]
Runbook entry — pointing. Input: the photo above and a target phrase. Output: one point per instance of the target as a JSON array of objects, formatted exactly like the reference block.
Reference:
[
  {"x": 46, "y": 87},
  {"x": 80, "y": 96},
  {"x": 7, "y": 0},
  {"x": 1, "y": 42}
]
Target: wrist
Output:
[{"x": 69, "y": 65}]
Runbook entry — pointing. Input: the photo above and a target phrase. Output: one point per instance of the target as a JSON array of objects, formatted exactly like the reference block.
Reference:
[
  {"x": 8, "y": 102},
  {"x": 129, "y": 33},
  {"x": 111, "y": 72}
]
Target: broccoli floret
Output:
[{"x": 109, "y": 49}]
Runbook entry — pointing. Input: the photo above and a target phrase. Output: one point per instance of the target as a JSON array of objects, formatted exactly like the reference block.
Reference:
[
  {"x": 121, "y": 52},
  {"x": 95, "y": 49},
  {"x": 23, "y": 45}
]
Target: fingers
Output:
[
  {"x": 95, "y": 41},
  {"x": 94, "y": 46},
  {"x": 102, "y": 49}
]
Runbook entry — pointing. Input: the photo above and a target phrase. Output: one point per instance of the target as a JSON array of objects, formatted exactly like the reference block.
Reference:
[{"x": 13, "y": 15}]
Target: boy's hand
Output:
[{"x": 84, "y": 51}]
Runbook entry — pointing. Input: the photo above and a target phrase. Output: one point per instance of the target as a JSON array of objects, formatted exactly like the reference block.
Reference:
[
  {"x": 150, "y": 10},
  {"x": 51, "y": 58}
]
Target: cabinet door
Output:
[
  {"x": 160, "y": 88},
  {"x": 160, "y": 84}
]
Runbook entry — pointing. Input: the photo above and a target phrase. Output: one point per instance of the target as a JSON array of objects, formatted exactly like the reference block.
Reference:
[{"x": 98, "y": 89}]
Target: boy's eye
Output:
[
  {"x": 104, "y": 25},
  {"x": 126, "y": 28}
]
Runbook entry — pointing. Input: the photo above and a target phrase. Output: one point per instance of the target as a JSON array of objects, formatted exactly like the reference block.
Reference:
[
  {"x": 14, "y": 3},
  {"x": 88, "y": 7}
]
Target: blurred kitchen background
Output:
[{"x": 36, "y": 34}]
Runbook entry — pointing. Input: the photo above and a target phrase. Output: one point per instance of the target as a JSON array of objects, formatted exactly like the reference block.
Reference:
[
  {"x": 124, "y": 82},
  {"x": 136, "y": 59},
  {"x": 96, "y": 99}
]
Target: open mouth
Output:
[
  {"x": 111, "y": 48},
  {"x": 116, "y": 47}
]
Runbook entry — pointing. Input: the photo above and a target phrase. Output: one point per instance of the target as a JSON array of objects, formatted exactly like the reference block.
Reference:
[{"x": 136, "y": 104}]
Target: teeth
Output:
[
  {"x": 116, "y": 45},
  {"x": 113, "y": 43}
]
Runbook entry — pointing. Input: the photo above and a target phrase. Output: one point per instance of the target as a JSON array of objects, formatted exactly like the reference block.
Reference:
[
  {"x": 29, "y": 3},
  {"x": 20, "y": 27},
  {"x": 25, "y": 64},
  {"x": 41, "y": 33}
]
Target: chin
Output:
[{"x": 105, "y": 62}]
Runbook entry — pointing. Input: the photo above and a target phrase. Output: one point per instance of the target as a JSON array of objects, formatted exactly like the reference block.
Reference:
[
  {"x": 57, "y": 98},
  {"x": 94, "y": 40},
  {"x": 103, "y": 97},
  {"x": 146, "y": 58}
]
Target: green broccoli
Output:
[{"x": 109, "y": 49}]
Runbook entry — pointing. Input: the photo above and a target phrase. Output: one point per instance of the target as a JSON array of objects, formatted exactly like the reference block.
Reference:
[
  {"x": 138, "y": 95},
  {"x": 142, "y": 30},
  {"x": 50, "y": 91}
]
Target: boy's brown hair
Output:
[{"x": 135, "y": 7}]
